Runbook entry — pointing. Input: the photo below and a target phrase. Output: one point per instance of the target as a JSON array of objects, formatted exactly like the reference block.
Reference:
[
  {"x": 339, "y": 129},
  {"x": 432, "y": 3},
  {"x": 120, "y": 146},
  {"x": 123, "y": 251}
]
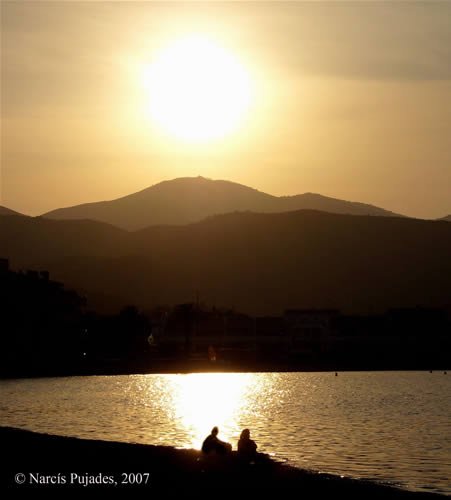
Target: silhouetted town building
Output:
[
  {"x": 40, "y": 320},
  {"x": 4, "y": 266},
  {"x": 310, "y": 329},
  {"x": 315, "y": 337},
  {"x": 47, "y": 328}
]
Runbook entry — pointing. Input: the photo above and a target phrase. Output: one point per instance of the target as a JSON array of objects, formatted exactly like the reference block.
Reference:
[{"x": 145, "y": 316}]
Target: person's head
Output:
[
  {"x": 215, "y": 431},
  {"x": 245, "y": 434}
]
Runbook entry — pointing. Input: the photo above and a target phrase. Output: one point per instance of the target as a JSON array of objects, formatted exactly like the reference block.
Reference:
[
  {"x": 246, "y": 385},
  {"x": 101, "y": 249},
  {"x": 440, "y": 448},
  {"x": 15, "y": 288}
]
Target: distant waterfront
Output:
[{"x": 385, "y": 426}]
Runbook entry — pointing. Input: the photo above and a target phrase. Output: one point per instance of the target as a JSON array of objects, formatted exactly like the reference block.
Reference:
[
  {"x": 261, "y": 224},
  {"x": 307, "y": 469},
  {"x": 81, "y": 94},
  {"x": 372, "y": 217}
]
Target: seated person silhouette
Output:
[
  {"x": 212, "y": 444},
  {"x": 247, "y": 448}
]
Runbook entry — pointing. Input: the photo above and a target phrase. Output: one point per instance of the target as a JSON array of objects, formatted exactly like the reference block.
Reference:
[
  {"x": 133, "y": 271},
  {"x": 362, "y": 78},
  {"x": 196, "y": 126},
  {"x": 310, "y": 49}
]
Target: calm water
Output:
[{"x": 385, "y": 426}]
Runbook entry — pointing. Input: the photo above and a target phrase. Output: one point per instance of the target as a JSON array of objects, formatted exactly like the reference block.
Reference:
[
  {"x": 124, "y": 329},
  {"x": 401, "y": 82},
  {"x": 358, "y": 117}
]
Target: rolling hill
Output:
[
  {"x": 254, "y": 262},
  {"x": 191, "y": 199},
  {"x": 8, "y": 211}
]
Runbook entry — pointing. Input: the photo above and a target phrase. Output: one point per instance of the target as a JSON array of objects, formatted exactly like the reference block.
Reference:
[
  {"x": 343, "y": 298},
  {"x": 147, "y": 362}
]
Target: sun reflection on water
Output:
[{"x": 201, "y": 401}]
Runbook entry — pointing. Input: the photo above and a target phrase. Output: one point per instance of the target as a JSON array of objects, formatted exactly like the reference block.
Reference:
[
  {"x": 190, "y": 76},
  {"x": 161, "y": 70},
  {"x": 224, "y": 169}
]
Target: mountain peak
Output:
[{"x": 198, "y": 181}]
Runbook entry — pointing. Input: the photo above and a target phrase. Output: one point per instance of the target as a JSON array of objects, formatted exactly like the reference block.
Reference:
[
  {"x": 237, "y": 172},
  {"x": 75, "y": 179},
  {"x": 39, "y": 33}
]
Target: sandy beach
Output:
[{"x": 41, "y": 461}]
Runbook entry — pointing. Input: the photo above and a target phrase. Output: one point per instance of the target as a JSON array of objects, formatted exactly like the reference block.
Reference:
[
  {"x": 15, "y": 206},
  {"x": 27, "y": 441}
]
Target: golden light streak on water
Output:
[{"x": 201, "y": 401}]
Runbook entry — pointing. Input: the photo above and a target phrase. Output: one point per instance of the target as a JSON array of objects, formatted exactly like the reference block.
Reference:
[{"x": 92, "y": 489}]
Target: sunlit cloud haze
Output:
[{"x": 350, "y": 100}]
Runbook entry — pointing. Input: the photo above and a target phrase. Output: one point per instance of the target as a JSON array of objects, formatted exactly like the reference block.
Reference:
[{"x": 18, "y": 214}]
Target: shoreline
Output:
[
  {"x": 177, "y": 367},
  {"x": 46, "y": 461}
]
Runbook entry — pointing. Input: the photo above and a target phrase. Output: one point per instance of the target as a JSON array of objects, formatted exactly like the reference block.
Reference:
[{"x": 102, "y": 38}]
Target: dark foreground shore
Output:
[{"x": 45, "y": 462}]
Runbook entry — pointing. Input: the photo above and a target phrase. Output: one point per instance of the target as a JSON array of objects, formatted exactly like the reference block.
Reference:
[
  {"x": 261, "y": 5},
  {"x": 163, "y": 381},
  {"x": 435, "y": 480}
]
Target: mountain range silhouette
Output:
[
  {"x": 191, "y": 199},
  {"x": 260, "y": 263}
]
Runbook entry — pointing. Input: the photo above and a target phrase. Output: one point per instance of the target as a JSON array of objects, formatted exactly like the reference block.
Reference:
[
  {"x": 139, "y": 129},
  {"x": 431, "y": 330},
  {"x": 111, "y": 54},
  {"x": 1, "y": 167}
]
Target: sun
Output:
[{"x": 198, "y": 91}]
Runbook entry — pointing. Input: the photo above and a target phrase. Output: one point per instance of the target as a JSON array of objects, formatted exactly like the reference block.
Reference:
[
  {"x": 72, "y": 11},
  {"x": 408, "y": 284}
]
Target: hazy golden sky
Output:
[{"x": 352, "y": 100}]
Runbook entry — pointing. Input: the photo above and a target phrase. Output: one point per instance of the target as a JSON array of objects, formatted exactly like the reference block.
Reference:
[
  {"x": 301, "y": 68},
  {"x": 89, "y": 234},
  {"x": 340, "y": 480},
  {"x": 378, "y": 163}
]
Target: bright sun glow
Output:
[{"x": 198, "y": 90}]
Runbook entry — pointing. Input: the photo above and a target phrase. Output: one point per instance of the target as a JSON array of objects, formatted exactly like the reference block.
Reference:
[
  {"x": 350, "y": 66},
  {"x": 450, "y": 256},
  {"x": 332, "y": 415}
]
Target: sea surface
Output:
[{"x": 391, "y": 427}]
